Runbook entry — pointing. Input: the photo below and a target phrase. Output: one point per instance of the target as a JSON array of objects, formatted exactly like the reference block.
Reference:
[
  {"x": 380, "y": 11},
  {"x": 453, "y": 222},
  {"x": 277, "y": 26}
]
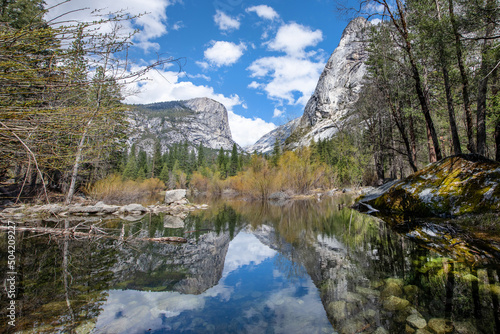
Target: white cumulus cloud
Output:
[
  {"x": 164, "y": 85},
  {"x": 246, "y": 131},
  {"x": 226, "y": 22},
  {"x": 294, "y": 38},
  {"x": 223, "y": 53},
  {"x": 285, "y": 76},
  {"x": 290, "y": 78},
  {"x": 278, "y": 113},
  {"x": 264, "y": 12}
]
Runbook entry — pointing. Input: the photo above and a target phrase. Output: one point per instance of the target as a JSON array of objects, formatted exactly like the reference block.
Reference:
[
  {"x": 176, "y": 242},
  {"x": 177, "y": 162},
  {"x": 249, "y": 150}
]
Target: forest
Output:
[{"x": 432, "y": 91}]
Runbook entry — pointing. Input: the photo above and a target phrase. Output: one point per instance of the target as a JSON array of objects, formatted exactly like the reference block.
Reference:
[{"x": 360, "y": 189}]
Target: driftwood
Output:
[{"x": 93, "y": 232}]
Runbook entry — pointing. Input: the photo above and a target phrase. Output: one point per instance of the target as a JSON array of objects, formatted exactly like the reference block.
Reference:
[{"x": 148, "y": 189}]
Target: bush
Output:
[
  {"x": 115, "y": 190},
  {"x": 199, "y": 182}
]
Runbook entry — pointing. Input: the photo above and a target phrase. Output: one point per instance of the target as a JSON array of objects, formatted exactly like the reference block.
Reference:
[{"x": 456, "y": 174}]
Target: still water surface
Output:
[{"x": 301, "y": 267}]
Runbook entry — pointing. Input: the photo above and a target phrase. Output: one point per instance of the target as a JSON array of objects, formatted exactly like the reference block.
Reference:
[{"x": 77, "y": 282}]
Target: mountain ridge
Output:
[{"x": 199, "y": 120}]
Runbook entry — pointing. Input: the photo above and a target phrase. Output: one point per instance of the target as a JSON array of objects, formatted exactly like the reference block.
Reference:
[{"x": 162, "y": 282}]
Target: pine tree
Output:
[
  {"x": 164, "y": 173},
  {"x": 221, "y": 163},
  {"x": 192, "y": 163},
  {"x": 157, "y": 162},
  {"x": 184, "y": 157},
  {"x": 141, "y": 174},
  {"x": 201, "y": 156},
  {"x": 142, "y": 163},
  {"x": 22, "y": 13},
  {"x": 275, "y": 156},
  {"x": 172, "y": 156},
  {"x": 233, "y": 167},
  {"x": 130, "y": 172}
]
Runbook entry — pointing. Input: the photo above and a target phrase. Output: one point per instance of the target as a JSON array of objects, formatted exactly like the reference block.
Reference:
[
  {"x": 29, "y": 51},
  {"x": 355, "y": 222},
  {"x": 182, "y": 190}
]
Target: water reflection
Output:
[
  {"x": 252, "y": 267},
  {"x": 252, "y": 296}
]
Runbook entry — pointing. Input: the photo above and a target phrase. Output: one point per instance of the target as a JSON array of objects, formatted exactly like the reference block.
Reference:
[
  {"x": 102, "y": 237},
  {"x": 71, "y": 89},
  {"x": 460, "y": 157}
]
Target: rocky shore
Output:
[{"x": 175, "y": 204}]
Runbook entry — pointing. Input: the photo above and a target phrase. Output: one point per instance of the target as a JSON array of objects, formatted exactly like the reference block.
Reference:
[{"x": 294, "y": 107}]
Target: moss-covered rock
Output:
[
  {"x": 453, "y": 186},
  {"x": 440, "y": 326},
  {"x": 394, "y": 303},
  {"x": 338, "y": 310},
  {"x": 391, "y": 289}
]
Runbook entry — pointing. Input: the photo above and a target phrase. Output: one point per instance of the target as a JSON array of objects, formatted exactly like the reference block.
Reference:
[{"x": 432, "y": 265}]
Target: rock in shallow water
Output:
[
  {"x": 416, "y": 321},
  {"x": 440, "y": 326},
  {"x": 394, "y": 303},
  {"x": 454, "y": 186}
]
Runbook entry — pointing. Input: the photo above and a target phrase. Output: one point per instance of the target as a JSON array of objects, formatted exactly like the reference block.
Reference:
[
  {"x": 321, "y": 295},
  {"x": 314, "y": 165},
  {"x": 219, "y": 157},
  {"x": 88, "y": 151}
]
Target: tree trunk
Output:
[
  {"x": 457, "y": 149},
  {"x": 34, "y": 177},
  {"x": 465, "y": 81},
  {"x": 398, "y": 119},
  {"x": 449, "y": 269},
  {"x": 379, "y": 154},
  {"x": 413, "y": 142},
  {"x": 481, "y": 104},
  {"x": 435, "y": 150},
  {"x": 497, "y": 141},
  {"x": 495, "y": 90},
  {"x": 447, "y": 87},
  {"x": 76, "y": 166},
  {"x": 483, "y": 84}
]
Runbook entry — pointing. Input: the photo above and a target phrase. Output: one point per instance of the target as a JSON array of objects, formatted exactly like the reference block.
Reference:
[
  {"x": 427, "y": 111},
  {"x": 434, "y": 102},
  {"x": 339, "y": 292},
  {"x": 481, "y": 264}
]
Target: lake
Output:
[{"x": 312, "y": 266}]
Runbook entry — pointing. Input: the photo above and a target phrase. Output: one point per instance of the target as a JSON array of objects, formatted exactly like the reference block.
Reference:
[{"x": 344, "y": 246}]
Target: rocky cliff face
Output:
[
  {"x": 266, "y": 143},
  {"x": 339, "y": 85},
  {"x": 337, "y": 90},
  {"x": 341, "y": 81},
  {"x": 200, "y": 120}
]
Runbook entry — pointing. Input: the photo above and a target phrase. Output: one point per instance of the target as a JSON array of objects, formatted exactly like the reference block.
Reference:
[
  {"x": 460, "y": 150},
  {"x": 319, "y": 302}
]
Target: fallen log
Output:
[{"x": 91, "y": 234}]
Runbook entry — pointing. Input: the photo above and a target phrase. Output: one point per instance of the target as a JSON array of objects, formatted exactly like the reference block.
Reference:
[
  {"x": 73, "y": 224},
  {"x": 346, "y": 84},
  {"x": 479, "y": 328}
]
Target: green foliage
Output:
[
  {"x": 157, "y": 160},
  {"x": 419, "y": 56},
  {"x": 275, "y": 155},
  {"x": 233, "y": 167},
  {"x": 343, "y": 154},
  {"x": 222, "y": 161},
  {"x": 22, "y": 13},
  {"x": 62, "y": 115},
  {"x": 201, "y": 156}
]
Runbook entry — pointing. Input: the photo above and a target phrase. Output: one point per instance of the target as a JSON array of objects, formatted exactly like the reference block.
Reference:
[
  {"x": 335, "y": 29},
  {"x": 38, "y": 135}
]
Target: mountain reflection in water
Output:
[{"x": 302, "y": 267}]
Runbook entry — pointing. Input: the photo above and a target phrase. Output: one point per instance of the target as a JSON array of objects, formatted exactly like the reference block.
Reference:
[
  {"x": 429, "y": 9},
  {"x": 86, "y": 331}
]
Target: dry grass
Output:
[
  {"x": 114, "y": 190},
  {"x": 294, "y": 174}
]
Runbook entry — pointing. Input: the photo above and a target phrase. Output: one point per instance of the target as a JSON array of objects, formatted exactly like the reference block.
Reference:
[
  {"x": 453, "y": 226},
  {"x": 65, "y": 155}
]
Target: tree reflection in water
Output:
[{"x": 368, "y": 276}]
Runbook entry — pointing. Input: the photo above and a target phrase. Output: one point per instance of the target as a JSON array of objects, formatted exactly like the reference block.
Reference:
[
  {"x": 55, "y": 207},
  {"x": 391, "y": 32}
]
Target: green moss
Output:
[{"x": 454, "y": 186}]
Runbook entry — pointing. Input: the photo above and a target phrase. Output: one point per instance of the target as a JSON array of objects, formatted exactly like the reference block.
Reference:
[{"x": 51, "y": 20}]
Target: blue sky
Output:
[{"x": 261, "y": 59}]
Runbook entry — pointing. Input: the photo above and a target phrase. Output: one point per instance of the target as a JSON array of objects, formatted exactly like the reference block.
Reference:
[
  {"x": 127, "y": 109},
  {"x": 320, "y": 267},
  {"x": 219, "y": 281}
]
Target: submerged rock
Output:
[
  {"x": 391, "y": 288},
  {"x": 381, "y": 330},
  {"x": 440, "y": 326},
  {"x": 354, "y": 325},
  {"x": 394, "y": 303},
  {"x": 416, "y": 321},
  {"x": 454, "y": 186},
  {"x": 338, "y": 310},
  {"x": 422, "y": 331}
]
